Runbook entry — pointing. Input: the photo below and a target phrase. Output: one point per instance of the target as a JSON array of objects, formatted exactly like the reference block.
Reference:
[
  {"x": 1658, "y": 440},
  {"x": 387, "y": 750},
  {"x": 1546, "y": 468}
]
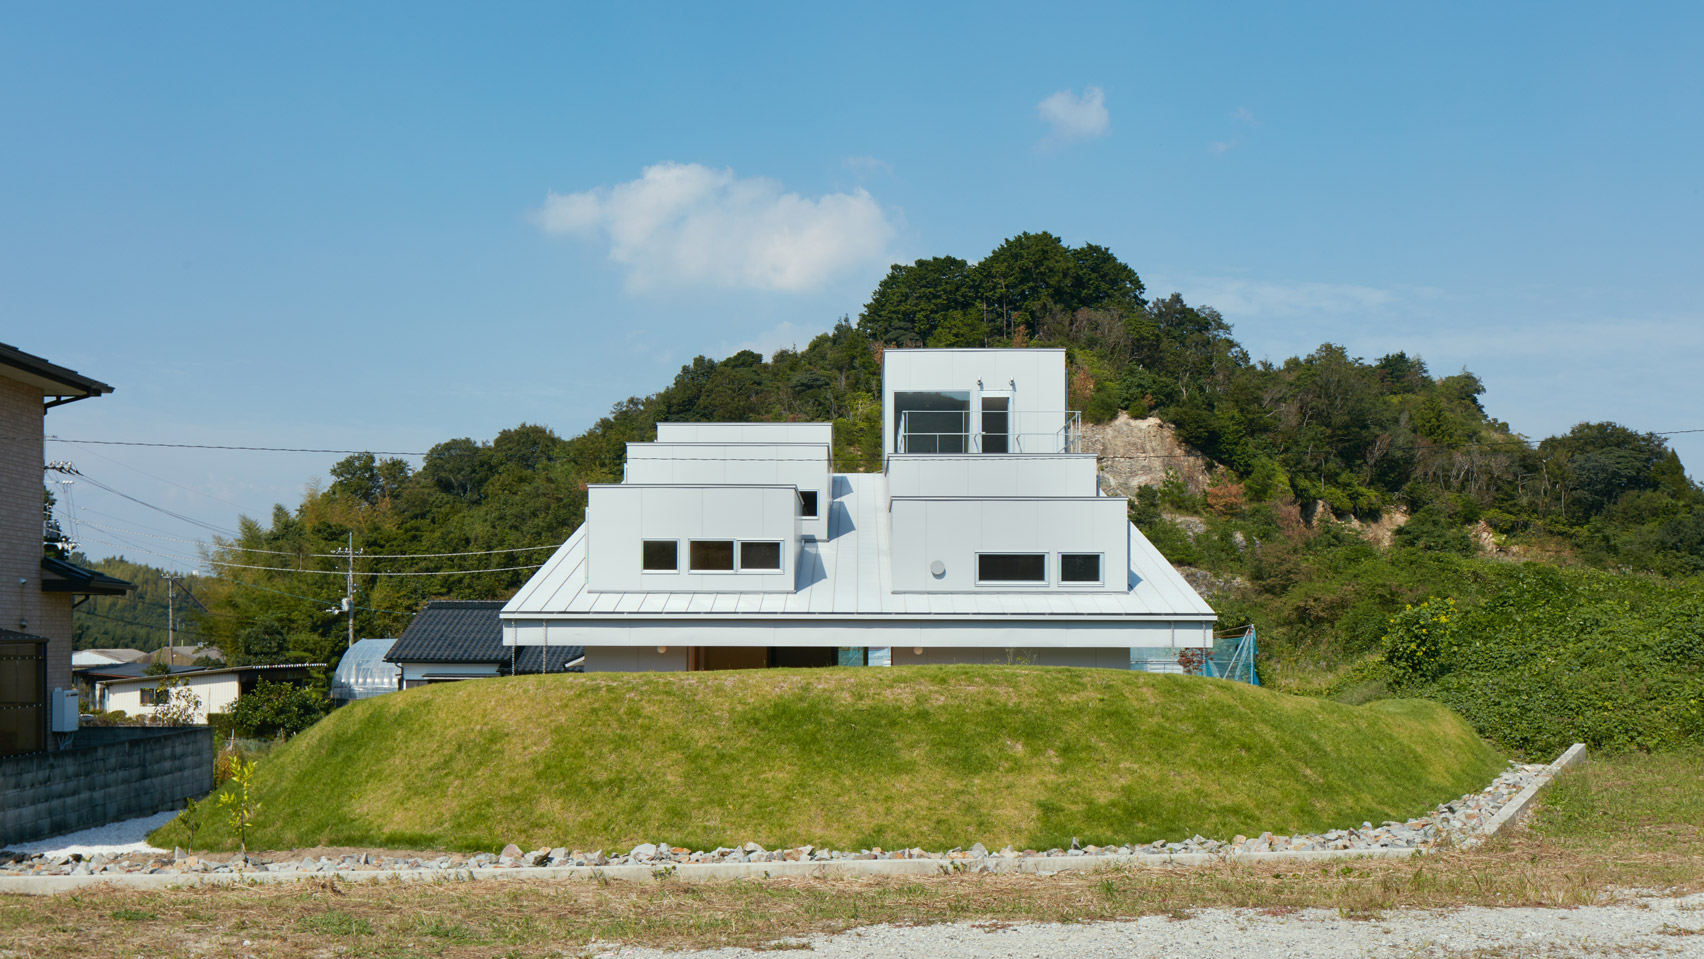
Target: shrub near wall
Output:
[{"x": 1562, "y": 656}]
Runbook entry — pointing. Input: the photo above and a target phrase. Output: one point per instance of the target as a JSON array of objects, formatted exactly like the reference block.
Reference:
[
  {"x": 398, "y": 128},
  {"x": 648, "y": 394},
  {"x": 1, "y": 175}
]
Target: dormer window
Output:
[
  {"x": 1011, "y": 568},
  {"x": 660, "y": 556},
  {"x": 712, "y": 555}
]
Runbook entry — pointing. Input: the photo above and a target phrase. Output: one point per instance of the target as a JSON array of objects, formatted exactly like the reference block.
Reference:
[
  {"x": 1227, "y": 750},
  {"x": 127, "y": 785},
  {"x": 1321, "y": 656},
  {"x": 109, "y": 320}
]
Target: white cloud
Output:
[
  {"x": 686, "y": 225},
  {"x": 1222, "y": 146},
  {"x": 1258, "y": 298},
  {"x": 1075, "y": 117},
  {"x": 788, "y": 335},
  {"x": 1243, "y": 115},
  {"x": 867, "y": 166}
]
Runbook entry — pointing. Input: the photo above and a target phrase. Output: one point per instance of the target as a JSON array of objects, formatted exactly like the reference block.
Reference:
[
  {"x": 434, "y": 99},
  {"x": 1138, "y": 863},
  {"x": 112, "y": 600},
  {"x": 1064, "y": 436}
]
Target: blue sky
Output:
[{"x": 386, "y": 226}]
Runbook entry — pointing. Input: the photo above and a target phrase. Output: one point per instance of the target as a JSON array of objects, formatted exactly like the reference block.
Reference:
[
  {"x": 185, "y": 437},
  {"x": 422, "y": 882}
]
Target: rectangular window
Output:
[
  {"x": 714, "y": 555},
  {"x": 996, "y": 424},
  {"x": 1079, "y": 567},
  {"x": 148, "y": 696},
  {"x": 808, "y": 503},
  {"x": 1011, "y": 567},
  {"x": 661, "y": 556},
  {"x": 931, "y": 422},
  {"x": 759, "y": 556}
]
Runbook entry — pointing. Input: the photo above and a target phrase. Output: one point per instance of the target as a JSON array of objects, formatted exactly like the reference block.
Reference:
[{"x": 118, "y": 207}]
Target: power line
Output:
[
  {"x": 163, "y": 479},
  {"x": 222, "y": 531},
  {"x": 127, "y": 622},
  {"x": 339, "y": 572},
  {"x": 283, "y": 552},
  {"x": 214, "y": 446},
  {"x": 371, "y": 609}
]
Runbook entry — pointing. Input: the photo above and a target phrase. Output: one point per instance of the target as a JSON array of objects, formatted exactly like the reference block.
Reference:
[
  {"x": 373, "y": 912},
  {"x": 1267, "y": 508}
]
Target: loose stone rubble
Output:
[{"x": 1453, "y": 823}]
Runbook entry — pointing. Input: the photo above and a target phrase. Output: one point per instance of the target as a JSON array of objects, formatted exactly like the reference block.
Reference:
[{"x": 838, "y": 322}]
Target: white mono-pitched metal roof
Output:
[{"x": 847, "y": 576}]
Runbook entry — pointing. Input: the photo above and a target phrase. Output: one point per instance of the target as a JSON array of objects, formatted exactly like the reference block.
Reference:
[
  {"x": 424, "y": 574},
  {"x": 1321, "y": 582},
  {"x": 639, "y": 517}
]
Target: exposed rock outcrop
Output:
[{"x": 1136, "y": 453}]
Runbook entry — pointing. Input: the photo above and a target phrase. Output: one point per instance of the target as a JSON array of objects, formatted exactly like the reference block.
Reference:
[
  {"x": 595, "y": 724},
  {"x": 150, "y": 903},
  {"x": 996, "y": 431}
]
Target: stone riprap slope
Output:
[{"x": 1457, "y": 822}]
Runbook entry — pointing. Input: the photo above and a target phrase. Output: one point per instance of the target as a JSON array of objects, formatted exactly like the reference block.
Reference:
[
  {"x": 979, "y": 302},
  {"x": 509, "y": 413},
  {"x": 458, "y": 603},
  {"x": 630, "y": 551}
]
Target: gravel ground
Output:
[
  {"x": 1646, "y": 927},
  {"x": 112, "y": 839}
]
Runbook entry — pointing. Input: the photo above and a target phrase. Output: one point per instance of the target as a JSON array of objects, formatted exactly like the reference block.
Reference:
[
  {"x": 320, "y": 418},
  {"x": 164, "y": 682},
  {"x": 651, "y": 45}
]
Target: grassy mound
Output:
[{"x": 846, "y": 758}]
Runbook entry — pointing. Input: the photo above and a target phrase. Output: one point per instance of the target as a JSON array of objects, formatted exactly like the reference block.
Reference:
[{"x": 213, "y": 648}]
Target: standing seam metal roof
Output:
[{"x": 847, "y": 576}]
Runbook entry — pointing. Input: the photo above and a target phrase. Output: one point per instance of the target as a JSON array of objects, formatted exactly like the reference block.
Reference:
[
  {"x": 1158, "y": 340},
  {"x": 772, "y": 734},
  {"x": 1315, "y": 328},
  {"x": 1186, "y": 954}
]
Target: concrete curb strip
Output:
[
  {"x": 833, "y": 869},
  {"x": 1513, "y": 809}
]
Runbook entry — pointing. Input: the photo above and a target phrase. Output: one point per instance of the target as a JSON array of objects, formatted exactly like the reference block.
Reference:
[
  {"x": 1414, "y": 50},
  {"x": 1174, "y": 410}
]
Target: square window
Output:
[
  {"x": 808, "y": 503},
  {"x": 757, "y": 556},
  {"x": 714, "y": 555},
  {"x": 1079, "y": 567},
  {"x": 1011, "y": 567},
  {"x": 661, "y": 556}
]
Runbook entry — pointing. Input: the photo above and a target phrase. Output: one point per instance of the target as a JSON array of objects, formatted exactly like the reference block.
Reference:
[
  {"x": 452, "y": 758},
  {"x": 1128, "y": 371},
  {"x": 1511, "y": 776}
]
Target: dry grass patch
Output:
[
  {"x": 1567, "y": 857},
  {"x": 566, "y": 918}
]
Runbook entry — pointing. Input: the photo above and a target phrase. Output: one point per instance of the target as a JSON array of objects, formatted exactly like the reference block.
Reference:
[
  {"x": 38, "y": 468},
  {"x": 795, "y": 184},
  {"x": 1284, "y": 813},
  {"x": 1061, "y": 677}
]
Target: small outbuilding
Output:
[
  {"x": 130, "y": 688},
  {"x": 455, "y": 639},
  {"x": 362, "y": 673}
]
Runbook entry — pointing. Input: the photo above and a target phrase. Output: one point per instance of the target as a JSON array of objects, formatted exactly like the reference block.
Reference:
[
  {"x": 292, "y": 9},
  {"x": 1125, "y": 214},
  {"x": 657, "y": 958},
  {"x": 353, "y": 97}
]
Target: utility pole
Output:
[
  {"x": 349, "y": 587},
  {"x": 171, "y": 617}
]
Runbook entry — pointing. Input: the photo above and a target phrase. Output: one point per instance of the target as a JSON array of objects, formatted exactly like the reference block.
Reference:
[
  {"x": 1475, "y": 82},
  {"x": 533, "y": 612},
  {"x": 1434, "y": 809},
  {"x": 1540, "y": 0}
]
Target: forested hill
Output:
[
  {"x": 136, "y": 621},
  {"x": 1360, "y": 435}
]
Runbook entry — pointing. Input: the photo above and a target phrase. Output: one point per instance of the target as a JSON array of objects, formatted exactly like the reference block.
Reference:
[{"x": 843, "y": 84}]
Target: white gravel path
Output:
[
  {"x": 1645, "y": 927},
  {"x": 113, "y": 839}
]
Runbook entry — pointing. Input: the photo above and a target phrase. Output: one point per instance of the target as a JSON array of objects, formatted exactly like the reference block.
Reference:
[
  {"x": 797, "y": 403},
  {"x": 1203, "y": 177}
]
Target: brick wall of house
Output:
[{"x": 23, "y": 606}]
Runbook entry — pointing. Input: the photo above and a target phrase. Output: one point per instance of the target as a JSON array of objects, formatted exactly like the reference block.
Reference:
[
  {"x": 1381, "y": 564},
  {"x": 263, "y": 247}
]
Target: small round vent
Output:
[{"x": 937, "y": 569}]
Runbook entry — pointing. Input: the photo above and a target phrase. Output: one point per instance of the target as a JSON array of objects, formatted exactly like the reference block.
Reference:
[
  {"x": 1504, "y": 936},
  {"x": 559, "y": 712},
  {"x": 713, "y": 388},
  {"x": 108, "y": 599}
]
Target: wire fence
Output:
[{"x": 1230, "y": 657}]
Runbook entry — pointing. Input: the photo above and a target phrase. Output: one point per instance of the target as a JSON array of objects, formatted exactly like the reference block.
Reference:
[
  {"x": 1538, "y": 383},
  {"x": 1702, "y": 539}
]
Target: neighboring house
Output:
[
  {"x": 37, "y": 593},
  {"x": 185, "y": 655},
  {"x": 83, "y": 658},
  {"x": 129, "y": 688},
  {"x": 362, "y": 672},
  {"x": 985, "y": 538},
  {"x": 463, "y": 639}
]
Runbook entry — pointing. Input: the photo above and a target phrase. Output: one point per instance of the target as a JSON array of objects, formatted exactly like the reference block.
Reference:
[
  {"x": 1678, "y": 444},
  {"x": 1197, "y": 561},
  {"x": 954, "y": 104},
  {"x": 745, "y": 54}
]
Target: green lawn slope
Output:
[{"x": 847, "y": 758}]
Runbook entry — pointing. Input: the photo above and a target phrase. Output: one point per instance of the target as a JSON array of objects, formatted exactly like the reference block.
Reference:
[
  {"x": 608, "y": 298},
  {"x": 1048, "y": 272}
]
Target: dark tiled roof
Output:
[
  {"x": 64, "y": 577},
  {"x": 468, "y": 631},
  {"x": 72, "y": 382}
]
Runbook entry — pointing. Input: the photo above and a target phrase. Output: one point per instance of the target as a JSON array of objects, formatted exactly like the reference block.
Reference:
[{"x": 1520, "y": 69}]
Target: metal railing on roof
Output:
[{"x": 1032, "y": 432}]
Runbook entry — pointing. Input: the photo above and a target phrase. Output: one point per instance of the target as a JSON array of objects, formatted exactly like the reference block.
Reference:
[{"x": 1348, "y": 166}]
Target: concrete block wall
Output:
[{"x": 108, "y": 774}]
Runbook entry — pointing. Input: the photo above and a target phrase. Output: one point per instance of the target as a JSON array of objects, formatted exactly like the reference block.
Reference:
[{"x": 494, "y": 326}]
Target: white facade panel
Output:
[
  {"x": 622, "y": 517},
  {"x": 821, "y": 434},
  {"x": 953, "y": 532},
  {"x": 1070, "y": 474},
  {"x": 803, "y": 465}
]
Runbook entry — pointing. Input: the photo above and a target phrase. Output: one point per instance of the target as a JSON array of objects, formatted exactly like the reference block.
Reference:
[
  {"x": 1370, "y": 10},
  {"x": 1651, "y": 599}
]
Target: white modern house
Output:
[{"x": 985, "y": 538}]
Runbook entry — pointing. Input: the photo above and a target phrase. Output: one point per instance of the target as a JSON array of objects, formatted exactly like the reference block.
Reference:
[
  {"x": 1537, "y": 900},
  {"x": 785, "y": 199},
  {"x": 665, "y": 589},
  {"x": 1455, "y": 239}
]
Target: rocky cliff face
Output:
[{"x": 1136, "y": 453}]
